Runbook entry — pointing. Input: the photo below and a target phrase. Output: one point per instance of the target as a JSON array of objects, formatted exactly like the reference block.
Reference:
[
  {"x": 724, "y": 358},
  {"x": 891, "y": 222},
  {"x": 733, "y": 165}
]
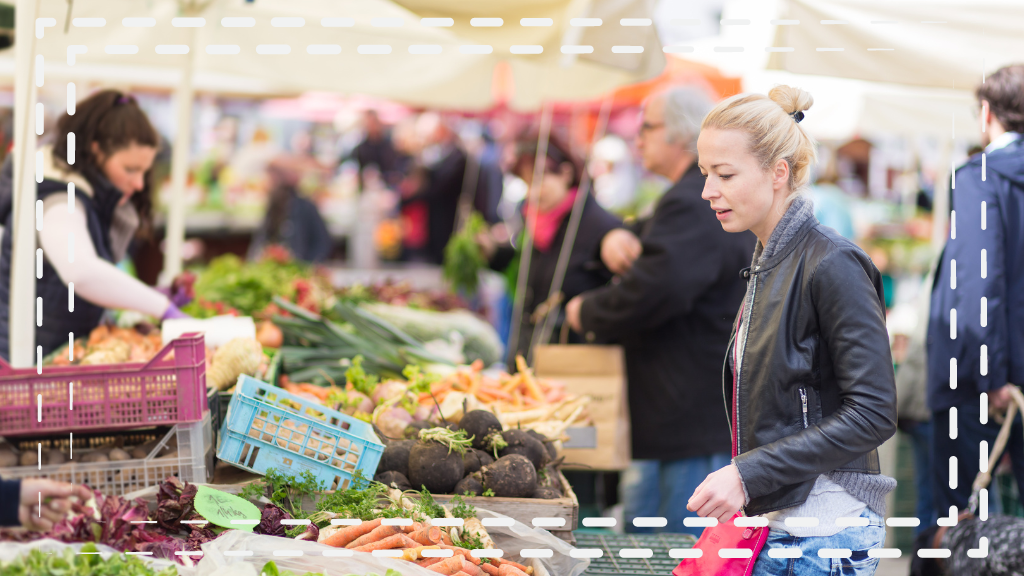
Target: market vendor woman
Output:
[
  {"x": 556, "y": 194},
  {"x": 115, "y": 145}
]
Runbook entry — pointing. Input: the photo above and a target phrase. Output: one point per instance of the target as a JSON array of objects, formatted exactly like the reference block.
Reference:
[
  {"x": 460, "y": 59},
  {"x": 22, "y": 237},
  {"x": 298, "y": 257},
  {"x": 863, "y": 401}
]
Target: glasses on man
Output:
[{"x": 647, "y": 127}]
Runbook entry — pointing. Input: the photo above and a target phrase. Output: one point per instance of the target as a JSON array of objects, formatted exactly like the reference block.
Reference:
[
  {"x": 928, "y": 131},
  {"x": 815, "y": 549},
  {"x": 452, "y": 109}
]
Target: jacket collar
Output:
[{"x": 795, "y": 223}]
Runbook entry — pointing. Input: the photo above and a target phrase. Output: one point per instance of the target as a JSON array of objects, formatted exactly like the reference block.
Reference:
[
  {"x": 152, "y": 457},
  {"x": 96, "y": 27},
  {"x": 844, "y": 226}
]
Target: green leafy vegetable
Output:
[
  {"x": 89, "y": 563},
  {"x": 488, "y": 493},
  {"x": 427, "y": 506},
  {"x": 463, "y": 258},
  {"x": 460, "y": 509},
  {"x": 356, "y": 376}
]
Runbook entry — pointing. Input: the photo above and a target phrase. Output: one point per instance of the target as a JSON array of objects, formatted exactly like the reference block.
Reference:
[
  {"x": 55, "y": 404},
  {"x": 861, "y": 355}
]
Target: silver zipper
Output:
[
  {"x": 803, "y": 402},
  {"x": 746, "y": 336}
]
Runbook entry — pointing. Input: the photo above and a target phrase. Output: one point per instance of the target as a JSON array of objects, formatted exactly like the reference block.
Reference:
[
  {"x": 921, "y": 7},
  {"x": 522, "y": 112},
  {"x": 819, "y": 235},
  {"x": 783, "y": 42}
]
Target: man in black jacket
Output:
[{"x": 672, "y": 310}]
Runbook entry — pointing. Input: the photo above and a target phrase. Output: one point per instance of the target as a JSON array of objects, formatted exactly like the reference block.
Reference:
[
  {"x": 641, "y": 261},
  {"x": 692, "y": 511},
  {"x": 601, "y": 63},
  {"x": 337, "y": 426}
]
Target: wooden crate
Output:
[{"x": 526, "y": 509}]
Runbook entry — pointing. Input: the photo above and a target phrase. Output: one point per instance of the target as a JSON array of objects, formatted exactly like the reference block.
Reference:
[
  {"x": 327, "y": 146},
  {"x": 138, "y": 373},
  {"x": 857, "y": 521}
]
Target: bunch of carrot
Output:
[
  {"x": 512, "y": 392},
  {"x": 413, "y": 539}
]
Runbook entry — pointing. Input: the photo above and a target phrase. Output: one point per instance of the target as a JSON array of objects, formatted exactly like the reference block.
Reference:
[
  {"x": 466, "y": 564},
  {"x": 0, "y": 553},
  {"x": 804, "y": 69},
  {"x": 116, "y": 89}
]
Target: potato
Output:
[
  {"x": 28, "y": 458},
  {"x": 118, "y": 455},
  {"x": 8, "y": 456},
  {"x": 55, "y": 458},
  {"x": 139, "y": 453},
  {"x": 95, "y": 456}
]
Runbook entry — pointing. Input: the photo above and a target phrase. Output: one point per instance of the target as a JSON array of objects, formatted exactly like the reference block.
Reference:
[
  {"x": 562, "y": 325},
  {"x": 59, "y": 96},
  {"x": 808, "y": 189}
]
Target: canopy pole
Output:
[
  {"x": 524, "y": 260},
  {"x": 22, "y": 313},
  {"x": 184, "y": 96},
  {"x": 543, "y": 335}
]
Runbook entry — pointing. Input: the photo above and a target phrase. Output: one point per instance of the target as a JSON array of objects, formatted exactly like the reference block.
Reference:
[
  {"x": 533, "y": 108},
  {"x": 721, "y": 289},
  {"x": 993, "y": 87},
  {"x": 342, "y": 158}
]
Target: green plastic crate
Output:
[{"x": 611, "y": 563}]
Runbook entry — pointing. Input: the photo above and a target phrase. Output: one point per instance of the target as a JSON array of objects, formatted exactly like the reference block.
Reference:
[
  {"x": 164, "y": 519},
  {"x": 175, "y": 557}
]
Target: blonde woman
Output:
[{"x": 808, "y": 378}]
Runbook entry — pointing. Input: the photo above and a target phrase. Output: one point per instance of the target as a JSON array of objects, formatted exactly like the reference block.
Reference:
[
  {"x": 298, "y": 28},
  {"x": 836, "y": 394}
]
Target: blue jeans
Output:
[
  {"x": 661, "y": 489},
  {"x": 856, "y": 539}
]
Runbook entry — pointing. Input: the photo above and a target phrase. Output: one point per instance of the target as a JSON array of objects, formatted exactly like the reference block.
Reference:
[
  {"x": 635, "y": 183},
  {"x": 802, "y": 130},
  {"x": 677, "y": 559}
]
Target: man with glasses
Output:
[
  {"x": 976, "y": 324},
  {"x": 672, "y": 309}
]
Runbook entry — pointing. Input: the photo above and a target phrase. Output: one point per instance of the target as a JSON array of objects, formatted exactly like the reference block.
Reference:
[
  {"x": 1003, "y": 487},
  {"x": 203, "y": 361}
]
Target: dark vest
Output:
[{"x": 57, "y": 320}]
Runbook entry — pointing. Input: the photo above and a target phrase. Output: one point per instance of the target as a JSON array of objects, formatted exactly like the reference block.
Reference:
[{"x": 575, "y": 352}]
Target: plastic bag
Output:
[
  {"x": 511, "y": 540},
  {"x": 10, "y": 551}
]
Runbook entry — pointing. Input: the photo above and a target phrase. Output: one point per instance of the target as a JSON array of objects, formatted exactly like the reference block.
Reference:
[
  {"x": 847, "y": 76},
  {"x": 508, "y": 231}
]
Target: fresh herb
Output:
[
  {"x": 488, "y": 493},
  {"x": 460, "y": 509},
  {"x": 357, "y": 377},
  {"x": 88, "y": 563},
  {"x": 427, "y": 506},
  {"x": 463, "y": 257},
  {"x": 419, "y": 383},
  {"x": 284, "y": 490},
  {"x": 468, "y": 541}
]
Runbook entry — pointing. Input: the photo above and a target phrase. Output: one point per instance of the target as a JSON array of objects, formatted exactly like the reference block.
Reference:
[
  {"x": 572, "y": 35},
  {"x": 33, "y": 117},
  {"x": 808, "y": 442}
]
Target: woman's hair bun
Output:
[{"x": 791, "y": 99}]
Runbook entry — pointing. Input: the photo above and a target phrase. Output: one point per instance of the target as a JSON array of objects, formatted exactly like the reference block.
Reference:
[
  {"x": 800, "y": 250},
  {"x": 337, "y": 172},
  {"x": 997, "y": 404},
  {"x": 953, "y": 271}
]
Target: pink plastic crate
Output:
[{"x": 164, "y": 390}]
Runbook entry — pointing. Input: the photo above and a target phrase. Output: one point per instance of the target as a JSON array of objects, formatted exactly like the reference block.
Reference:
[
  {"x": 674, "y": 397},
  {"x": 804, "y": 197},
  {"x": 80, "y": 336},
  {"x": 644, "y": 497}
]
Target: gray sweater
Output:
[{"x": 835, "y": 494}]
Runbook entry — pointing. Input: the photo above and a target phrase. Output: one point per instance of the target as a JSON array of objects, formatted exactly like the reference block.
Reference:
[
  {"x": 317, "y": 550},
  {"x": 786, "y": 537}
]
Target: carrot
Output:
[
  {"x": 490, "y": 569},
  {"x": 378, "y": 533},
  {"x": 346, "y": 535},
  {"x": 428, "y": 536},
  {"x": 470, "y": 568},
  {"x": 516, "y": 565},
  {"x": 393, "y": 541},
  {"x": 460, "y": 573},
  {"x": 428, "y": 561},
  {"x": 477, "y": 365},
  {"x": 496, "y": 392},
  {"x": 462, "y": 552},
  {"x": 447, "y": 566},
  {"x": 512, "y": 383},
  {"x": 445, "y": 538},
  {"x": 510, "y": 570},
  {"x": 414, "y": 554}
]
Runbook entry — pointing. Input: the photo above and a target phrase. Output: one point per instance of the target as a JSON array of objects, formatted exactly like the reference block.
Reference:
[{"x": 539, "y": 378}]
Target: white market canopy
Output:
[
  {"x": 373, "y": 47},
  {"x": 937, "y": 43}
]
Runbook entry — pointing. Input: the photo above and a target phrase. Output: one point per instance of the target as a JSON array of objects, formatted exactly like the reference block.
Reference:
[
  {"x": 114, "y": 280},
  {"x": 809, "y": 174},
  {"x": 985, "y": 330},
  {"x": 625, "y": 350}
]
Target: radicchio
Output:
[{"x": 270, "y": 521}]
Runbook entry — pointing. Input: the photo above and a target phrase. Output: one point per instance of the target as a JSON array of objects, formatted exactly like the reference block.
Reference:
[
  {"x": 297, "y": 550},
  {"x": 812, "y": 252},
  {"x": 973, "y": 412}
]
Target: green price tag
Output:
[{"x": 221, "y": 508}]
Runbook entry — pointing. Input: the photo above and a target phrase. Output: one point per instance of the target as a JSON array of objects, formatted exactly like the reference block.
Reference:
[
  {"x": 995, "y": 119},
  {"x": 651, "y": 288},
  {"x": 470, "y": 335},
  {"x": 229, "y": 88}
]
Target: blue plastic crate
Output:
[{"x": 266, "y": 427}]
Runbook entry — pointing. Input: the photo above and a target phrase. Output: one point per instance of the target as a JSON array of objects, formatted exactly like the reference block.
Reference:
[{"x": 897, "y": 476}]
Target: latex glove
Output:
[
  {"x": 619, "y": 249},
  {"x": 173, "y": 312}
]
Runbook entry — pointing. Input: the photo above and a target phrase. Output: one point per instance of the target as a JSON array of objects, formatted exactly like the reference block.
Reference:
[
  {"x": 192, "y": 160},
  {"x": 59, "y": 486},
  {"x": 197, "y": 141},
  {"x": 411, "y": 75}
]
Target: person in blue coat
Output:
[{"x": 976, "y": 323}]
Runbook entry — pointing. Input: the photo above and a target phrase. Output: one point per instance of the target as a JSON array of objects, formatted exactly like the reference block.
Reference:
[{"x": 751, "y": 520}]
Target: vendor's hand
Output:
[
  {"x": 1000, "y": 398},
  {"x": 55, "y": 502},
  {"x": 572, "y": 314},
  {"x": 619, "y": 249},
  {"x": 719, "y": 496},
  {"x": 173, "y": 312}
]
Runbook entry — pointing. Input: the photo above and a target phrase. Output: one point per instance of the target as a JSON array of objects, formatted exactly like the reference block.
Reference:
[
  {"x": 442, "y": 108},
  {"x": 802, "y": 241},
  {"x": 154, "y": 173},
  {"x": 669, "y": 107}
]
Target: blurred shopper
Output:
[
  {"x": 376, "y": 150},
  {"x": 447, "y": 167},
  {"x": 114, "y": 151},
  {"x": 808, "y": 379},
  {"x": 292, "y": 220},
  {"x": 20, "y": 498},
  {"x": 672, "y": 310},
  {"x": 968, "y": 357},
  {"x": 556, "y": 193}
]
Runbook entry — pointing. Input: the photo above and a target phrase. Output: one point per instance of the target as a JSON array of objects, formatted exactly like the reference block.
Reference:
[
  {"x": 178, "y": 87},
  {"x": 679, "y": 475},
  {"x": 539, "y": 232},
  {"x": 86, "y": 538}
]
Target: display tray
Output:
[
  {"x": 611, "y": 561},
  {"x": 525, "y": 510}
]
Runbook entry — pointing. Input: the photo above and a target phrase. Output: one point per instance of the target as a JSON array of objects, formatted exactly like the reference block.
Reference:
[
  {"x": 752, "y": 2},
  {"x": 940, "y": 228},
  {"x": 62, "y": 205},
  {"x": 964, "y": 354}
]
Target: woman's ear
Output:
[
  {"x": 780, "y": 174},
  {"x": 94, "y": 148}
]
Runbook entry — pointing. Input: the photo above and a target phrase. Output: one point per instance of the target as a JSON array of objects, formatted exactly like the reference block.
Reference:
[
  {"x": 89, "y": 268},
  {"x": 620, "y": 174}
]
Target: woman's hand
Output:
[
  {"x": 54, "y": 498},
  {"x": 719, "y": 496},
  {"x": 572, "y": 314}
]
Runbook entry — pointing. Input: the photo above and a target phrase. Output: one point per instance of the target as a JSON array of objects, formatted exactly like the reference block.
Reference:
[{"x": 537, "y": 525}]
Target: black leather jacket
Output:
[{"x": 816, "y": 386}]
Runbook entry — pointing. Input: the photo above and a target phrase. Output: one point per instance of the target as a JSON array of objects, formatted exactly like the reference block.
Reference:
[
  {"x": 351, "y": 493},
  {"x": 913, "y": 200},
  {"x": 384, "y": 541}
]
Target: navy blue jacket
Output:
[{"x": 989, "y": 252}]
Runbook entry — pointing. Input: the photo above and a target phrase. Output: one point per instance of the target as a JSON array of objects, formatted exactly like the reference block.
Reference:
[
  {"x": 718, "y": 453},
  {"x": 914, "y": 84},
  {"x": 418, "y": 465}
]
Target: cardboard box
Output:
[{"x": 600, "y": 372}]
